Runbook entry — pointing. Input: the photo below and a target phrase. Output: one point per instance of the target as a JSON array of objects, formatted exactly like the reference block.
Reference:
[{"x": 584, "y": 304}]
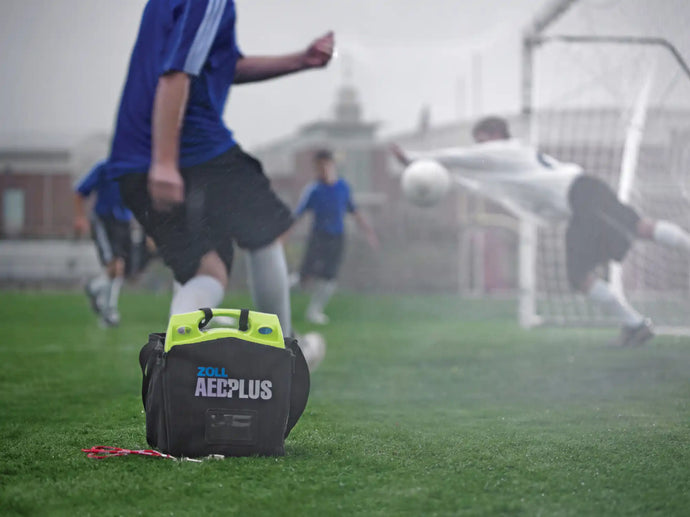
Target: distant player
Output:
[
  {"x": 181, "y": 171},
  {"x": 329, "y": 199},
  {"x": 110, "y": 225},
  {"x": 530, "y": 184}
]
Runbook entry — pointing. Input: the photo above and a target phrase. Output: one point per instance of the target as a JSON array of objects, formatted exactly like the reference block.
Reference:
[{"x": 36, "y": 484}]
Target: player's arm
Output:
[
  {"x": 165, "y": 181},
  {"x": 400, "y": 154},
  {"x": 81, "y": 222},
  {"x": 447, "y": 157},
  {"x": 259, "y": 68},
  {"x": 471, "y": 158},
  {"x": 82, "y": 190},
  {"x": 193, "y": 30},
  {"x": 362, "y": 222},
  {"x": 368, "y": 230}
]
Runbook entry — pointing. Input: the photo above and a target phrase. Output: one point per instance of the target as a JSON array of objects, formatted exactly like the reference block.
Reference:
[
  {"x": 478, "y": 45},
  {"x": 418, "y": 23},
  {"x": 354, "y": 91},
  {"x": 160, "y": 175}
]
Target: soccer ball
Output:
[
  {"x": 425, "y": 182},
  {"x": 313, "y": 348}
]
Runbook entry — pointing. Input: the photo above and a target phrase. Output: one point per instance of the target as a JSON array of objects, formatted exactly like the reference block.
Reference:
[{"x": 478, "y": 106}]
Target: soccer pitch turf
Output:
[{"x": 424, "y": 405}]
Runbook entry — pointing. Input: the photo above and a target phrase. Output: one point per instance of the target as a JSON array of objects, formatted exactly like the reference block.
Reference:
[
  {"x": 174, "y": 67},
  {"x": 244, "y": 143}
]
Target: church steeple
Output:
[{"x": 348, "y": 107}]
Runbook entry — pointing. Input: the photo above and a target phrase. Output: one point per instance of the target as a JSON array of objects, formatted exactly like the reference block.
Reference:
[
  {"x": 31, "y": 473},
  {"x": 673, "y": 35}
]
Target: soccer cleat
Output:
[
  {"x": 110, "y": 318},
  {"x": 94, "y": 296},
  {"x": 318, "y": 318},
  {"x": 643, "y": 333},
  {"x": 313, "y": 347},
  {"x": 638, "y": 335}
]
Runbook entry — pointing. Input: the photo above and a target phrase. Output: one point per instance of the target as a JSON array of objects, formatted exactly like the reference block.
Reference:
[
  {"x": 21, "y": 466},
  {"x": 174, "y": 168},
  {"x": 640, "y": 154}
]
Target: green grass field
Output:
[{"x": 423, "y": 406}]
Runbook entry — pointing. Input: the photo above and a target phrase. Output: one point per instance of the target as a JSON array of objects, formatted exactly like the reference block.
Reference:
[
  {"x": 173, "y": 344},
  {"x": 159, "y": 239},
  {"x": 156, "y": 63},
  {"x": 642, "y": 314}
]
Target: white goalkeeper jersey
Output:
[{"x": 528, "y": 183}]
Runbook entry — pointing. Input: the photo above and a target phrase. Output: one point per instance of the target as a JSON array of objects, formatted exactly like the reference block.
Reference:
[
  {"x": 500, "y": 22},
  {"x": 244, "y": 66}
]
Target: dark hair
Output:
[
  {"x": 493, "y": 126},
  {"x": 323, "y": 154}
]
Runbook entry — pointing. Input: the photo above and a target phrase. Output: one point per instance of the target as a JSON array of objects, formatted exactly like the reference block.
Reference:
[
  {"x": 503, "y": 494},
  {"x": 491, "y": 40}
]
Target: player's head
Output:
[
  {"x": 490, "y": 128},
  {"x": 324, "y": 165}
]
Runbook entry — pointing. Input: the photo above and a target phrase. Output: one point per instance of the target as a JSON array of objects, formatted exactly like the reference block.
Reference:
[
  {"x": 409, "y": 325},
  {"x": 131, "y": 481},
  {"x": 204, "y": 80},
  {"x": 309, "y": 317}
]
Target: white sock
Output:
[
  {"x": 99, "y": 282},
  {"x": 671, "y": 235},
  {"x": 323, "y": 290},
  {"x": 200, "y": 291},
  {"x": 114, "y": 292},
  {"x": 268, "y": 283},
  {"x": 617, "y": 306}
]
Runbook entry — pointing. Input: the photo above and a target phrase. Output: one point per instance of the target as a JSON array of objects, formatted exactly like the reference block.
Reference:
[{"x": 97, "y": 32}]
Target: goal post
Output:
[
  {"x": 624, "y": 124},
  {"x": 631, "y": 152}
]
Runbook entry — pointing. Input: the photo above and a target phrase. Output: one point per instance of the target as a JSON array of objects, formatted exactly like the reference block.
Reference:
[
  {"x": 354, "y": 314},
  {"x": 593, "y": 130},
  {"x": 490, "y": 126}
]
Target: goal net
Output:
[{"x": 614, "y": 98}]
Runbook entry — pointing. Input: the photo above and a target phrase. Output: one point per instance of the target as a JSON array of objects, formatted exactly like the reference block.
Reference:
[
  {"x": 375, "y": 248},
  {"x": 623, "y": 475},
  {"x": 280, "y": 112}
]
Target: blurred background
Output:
[{"x": 576, "y": 77}]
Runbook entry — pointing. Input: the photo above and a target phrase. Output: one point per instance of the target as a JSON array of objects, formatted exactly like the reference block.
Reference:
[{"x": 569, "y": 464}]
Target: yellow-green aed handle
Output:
[{"x": 263, "y": 328}]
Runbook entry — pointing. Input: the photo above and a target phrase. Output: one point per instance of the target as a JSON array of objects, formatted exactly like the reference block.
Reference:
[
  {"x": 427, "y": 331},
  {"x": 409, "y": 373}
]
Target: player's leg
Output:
[
  {"x": 206, "y": 288},
  {"x": 313, "y": 266},
  {"x": 599, "y": 198},
  {"x": 600, "y": 292},
  {"x": 311, "y": 275},
  {"x": 119, "y": 237},
  {"x": 183, "y": 243},
  {"x": 295, "y": 279},
  {"x": 142, "y": 251},
  {"x": 322, "y": 292},
  {"x": 590, "y": 242},
  {"x": 330, "y": 257},
  {"x": 110, "y": 314},
  {"x": 96, "y": 287},
  {"x": 269, "y": 283},
  {"x": 242, "y": 207},
  {"x": 663, "y": 232},
  {"x": 635, "y": 328},
  {"x": 309, "y": 260}
]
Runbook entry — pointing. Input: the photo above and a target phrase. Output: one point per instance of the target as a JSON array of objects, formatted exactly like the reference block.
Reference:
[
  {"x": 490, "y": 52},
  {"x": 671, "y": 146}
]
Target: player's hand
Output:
[
  {"x": 81, "y": 226},
  {"x": 320, "y": 52},
  {"x": 399, "y": 154},
  {"x": 166, "y": 187}
]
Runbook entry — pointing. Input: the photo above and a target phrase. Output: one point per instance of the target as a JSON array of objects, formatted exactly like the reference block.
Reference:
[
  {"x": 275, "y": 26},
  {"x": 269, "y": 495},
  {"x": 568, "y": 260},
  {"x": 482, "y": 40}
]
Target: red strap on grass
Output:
[{"x": 100, "y": 452}]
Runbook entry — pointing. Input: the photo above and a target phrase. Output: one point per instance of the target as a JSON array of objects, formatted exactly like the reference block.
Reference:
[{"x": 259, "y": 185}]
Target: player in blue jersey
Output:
[
  {"x": 188, "y": 182},
  {"x": 110, "y": 224},
  {"x": 329, "y": 199}
]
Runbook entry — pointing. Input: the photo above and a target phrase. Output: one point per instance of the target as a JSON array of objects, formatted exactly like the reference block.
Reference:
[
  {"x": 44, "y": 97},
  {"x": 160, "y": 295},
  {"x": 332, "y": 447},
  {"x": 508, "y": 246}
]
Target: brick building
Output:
[{"x": 37, "y": 175}]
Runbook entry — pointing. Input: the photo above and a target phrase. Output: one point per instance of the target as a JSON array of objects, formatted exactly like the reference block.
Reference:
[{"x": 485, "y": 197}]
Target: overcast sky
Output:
[{"x": 63, "y": 61}]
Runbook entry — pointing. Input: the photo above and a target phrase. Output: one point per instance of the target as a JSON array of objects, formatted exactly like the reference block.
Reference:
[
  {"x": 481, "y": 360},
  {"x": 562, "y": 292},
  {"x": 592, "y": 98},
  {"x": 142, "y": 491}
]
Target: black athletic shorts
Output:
[
  {"x": 323, "y": 256},
  {"x": 601, "y": 228},
  {"x": 139, "y": 257},
  {"x": 227, "y": 200},
  {"x": 112, "y": 238}
]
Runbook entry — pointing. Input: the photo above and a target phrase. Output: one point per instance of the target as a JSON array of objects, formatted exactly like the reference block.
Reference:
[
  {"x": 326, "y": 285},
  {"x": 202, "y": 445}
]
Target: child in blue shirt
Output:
[{"x": 329, "y": 199}]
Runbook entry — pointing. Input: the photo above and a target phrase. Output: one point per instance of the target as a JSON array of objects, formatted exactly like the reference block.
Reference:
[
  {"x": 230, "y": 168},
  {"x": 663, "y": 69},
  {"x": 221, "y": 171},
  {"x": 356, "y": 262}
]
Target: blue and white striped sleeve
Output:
[
  {"x": 89, "y": 181},
  {"x": 193, "y": 33}
]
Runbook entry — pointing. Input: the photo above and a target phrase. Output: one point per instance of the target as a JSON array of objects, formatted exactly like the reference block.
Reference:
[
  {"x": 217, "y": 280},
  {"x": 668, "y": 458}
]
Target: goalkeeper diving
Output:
[{"x": 537, "y": 187}]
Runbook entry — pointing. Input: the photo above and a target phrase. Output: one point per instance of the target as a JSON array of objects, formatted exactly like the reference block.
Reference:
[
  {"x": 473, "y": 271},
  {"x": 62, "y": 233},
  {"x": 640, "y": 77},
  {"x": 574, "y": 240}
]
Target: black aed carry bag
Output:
[{"x": 230, "y": 391}]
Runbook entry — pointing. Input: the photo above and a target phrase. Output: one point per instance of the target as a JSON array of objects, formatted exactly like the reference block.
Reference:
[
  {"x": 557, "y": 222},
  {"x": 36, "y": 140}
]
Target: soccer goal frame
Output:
[{"x": 529, "y": 315}]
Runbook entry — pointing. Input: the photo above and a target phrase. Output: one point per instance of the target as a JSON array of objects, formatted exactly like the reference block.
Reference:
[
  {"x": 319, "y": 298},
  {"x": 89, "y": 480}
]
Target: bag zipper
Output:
[{"x": 166, "y": 409}]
